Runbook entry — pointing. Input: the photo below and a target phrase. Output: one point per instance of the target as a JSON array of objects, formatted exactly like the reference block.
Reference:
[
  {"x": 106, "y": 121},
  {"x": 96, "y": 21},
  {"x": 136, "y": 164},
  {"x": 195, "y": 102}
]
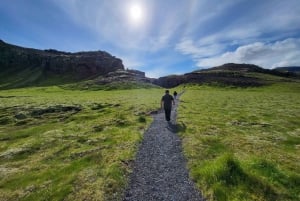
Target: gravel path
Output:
[{"x": 160, "y": 168}]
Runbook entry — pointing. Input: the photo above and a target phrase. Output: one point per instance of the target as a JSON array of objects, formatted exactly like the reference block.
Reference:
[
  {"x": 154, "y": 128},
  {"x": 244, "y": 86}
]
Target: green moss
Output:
[{"x": 5, "y": 120}]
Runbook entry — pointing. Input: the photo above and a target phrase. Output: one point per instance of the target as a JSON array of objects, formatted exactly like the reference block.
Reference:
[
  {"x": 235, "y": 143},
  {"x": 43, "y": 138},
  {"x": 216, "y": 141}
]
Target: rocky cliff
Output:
[{"x": 80, "y": 65}]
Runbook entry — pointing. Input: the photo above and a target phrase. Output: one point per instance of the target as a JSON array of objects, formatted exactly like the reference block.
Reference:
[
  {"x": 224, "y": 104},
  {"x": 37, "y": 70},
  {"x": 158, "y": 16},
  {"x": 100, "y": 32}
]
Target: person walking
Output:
[
  {"x": 166, "y": 103},
  {"x": 175, "y": 94}
]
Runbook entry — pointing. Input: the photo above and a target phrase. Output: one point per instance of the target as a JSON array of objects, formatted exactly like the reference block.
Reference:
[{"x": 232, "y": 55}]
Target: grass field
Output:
[
  {"x": 68, "y": 144},
  {"x": 243, "y": 144},
  {"x": 58, "y": 144}
]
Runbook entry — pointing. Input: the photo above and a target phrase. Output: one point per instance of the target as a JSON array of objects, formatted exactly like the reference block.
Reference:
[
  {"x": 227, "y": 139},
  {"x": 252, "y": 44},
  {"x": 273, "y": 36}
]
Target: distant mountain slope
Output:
[
  {"x": 292, "y": 69},
  {"x": 25, "y": 66},
  {"x": 242, "y": 75},
  {"x": 21, "y": 67}
]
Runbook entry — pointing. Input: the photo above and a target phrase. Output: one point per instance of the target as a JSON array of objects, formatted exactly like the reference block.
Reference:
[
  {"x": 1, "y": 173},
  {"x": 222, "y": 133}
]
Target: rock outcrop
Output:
[
  {"x": 170, "y": 81},
  {"x": 123, "y": 76}
]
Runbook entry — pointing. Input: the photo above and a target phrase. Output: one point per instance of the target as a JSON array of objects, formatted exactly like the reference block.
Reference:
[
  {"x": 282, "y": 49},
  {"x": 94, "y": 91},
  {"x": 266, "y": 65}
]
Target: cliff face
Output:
[
  {"x": 170, "y": 81},
  {"x": 84, "y": 64},
  {"x": 80, "y": 65}
]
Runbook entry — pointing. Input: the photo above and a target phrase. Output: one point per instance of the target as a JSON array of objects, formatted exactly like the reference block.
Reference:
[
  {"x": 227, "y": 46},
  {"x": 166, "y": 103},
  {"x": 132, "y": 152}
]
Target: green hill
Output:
[{"x": 240, "y": 75}]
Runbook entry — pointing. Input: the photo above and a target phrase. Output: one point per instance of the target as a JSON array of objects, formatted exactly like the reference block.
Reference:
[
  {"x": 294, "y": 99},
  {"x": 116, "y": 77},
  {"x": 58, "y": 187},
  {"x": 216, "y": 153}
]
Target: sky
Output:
[{"x": 160, "y": 37}]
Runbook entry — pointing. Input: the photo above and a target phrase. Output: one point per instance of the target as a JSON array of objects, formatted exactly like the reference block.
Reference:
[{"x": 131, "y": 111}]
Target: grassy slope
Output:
[
  {"x": 243, "y": 144},
  {"x": 35, "y": 77},
  {"x": 20, "y": 78},
  {"x": 48, "y": 151},
  {"x": 32, "y": 77}
]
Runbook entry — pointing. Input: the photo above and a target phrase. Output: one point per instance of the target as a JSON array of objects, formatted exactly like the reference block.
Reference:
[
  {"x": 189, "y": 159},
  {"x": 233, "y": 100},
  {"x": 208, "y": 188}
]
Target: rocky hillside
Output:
[
  {"x": 241, "y": 75},
  {"x": 21, "y": 67},
  {"x": 25, "y": 66}
]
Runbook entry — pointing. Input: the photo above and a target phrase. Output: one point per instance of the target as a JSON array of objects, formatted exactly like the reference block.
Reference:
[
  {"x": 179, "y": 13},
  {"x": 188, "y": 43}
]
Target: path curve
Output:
[{"x": 160, "y": 168}]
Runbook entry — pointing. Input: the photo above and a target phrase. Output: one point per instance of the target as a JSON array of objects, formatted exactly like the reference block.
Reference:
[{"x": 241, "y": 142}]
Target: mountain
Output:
[
  {"x": 290, "y": 69},
  {"x": 21, "y": 66},
  {"x": 241, "y": 75}
]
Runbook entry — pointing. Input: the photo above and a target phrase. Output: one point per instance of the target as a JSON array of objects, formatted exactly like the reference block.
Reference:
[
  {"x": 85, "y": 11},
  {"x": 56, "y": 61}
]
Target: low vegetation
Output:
[
  {"x": 59, "y": 144},
  {"x": 243, "y": 144},
  {"x": 70, "y": 144},
  {"x": 118, "y": 85}
]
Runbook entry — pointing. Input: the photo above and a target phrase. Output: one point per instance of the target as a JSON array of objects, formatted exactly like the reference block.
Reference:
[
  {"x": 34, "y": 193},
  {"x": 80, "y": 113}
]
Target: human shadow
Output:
[{"x": 175, "y": 128}]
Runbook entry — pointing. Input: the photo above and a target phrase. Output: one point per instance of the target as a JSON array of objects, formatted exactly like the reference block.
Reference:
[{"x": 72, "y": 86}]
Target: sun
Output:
[{"x": 135, "y": 12}]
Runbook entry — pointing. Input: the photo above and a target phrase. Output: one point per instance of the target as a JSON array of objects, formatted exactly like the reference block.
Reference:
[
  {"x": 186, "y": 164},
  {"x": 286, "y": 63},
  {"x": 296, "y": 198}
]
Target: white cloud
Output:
[
  {"x": 156, "y": 72},
  {"x": 201, "y": 14},
  {"x": 204, "y": 30},
  {"x": 198, "y": 50},
  {"x": 110, "y": 22},
  {"x": 268, "y": 55},
  {"x": 131, "y": 63},
  {"x": 234, "y": 23},
  {"x": 161, "y": 71},
  {"x": 155, "y": 44}
]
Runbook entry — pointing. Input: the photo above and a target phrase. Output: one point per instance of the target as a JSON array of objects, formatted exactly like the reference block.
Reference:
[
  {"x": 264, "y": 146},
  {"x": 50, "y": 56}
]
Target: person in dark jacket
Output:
[{"x": 166, "y": 103}]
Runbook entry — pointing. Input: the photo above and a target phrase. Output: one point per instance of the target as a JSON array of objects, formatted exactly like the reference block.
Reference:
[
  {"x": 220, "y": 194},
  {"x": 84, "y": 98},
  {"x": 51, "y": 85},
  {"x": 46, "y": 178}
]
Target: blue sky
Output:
[{"x": 160, "y": 37}]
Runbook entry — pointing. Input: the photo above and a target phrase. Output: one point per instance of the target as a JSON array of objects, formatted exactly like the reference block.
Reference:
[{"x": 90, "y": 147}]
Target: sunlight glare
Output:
[{"x": 135, "y": 13}]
